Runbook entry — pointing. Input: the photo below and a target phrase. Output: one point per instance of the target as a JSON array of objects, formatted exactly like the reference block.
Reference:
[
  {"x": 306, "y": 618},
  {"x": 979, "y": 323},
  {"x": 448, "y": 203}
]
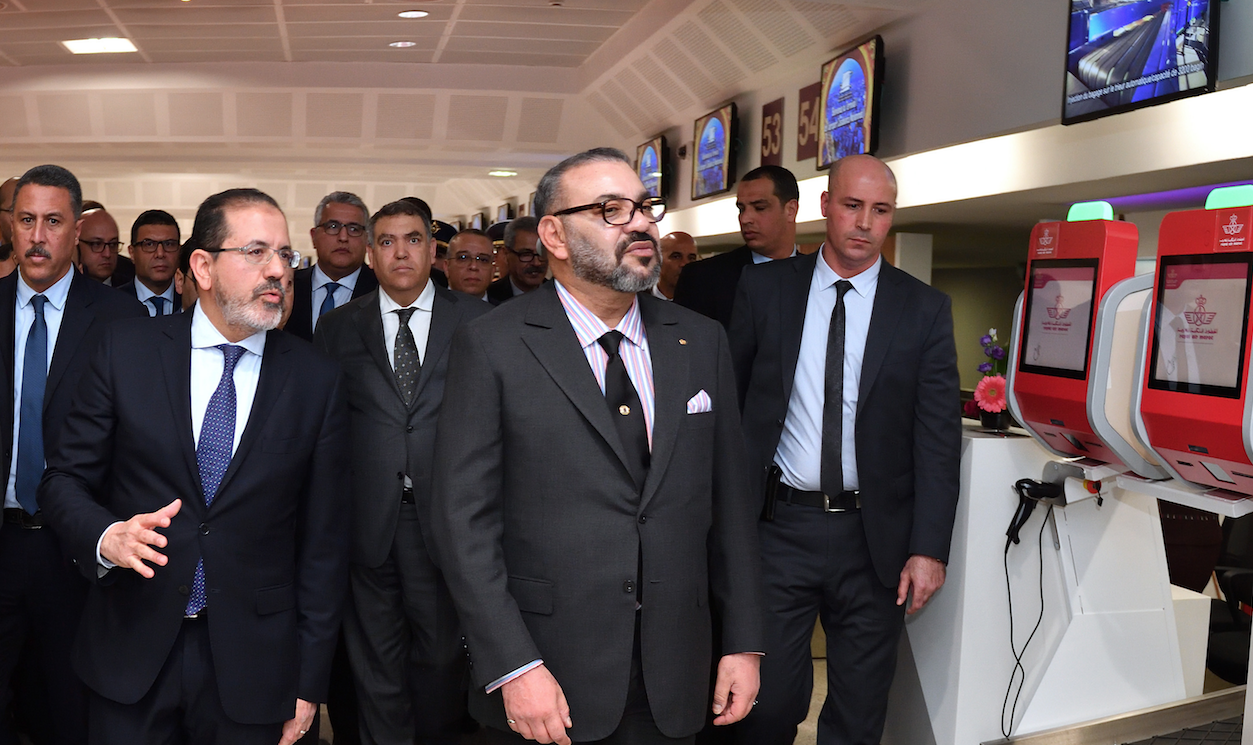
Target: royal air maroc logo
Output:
[
  {"x": 1232, "y": 227},
  {"x": 1059, "y": 310},
  {"x": 1200, "y": 316},
  {"x": 1047, "y": 240}
]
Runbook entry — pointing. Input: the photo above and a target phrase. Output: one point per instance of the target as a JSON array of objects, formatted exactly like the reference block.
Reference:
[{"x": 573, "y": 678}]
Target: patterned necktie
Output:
[
  {"x": 328, "y": 302},
  {"x": 30, "y": 436},
  {"x": 213, "y": 452},
  {"x": 625, "y": 408},
  {"x": 158, "y": 303},
  {"x": 831, "y": 465},
  {"x": 407, "y": 364}
]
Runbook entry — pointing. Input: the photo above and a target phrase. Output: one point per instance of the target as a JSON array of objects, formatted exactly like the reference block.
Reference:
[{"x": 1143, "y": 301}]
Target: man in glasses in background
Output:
[
  {"x": 155, "y": 240},
  {"x": 98, "y": 244},
  {"x": 470, "y": 258},
  {"x": 340, "y": 274},
  {"x": 202, "y": 491},
  {"x": 528, "y": 266}
]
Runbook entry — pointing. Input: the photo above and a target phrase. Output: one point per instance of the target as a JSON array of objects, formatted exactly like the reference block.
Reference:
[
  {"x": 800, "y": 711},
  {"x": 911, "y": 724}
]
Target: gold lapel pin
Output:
[
  {"x": 624, "y": 410},
  {"x": 683, "y": 342}
]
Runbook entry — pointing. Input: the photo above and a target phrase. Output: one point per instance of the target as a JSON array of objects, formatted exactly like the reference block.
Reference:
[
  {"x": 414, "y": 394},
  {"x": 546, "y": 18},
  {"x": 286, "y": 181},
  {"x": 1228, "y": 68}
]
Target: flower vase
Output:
[{"x": 998, "y": 420}]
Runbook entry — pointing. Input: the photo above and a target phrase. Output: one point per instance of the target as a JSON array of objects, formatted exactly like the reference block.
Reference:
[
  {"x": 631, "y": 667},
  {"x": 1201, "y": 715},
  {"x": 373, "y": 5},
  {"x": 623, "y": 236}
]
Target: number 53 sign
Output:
[{"x": 772, "y": 133}]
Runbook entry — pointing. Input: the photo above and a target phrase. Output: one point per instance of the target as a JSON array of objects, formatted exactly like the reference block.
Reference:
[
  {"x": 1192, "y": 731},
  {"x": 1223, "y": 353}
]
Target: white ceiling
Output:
[{"x": 304, "y": 96}]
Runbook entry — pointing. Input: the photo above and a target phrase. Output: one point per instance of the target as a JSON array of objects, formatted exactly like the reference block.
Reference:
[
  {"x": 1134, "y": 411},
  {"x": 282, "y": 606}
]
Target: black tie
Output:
[
  {"x": 832, "y": 467},
  {"x": 407, "y": 364},
  {"x": 625, "y": 408}
]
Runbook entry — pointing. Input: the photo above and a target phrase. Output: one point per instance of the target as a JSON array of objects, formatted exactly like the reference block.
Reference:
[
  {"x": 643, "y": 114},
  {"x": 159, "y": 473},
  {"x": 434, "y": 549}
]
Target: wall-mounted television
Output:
[
  {"x": 478, "y": 220},
  {"x": 1057, "y": 333},
  {"x": 714, "y": 142},
  {"x": 504, "y": 212},
  {"x": 1127, "y": 54},
  {"x": 652, "y": 163},
  {"x": 848, "y": 122}
]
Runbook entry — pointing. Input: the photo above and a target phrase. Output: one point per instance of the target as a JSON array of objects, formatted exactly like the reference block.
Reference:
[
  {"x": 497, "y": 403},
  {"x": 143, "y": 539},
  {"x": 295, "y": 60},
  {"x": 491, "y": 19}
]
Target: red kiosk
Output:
[
  {"x": 1070, "y": 267},
  {"x": 1194, "y": 401}
]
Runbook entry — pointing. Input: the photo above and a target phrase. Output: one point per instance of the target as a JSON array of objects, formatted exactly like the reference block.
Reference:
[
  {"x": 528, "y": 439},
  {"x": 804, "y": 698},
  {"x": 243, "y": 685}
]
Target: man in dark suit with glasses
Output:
[
  {"x": 528, "y": 266},
  {"x": 340, "y": 274}
]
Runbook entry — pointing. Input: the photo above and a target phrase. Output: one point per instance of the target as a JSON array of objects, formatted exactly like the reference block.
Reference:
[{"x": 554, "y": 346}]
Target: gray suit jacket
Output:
[
  {"x": 539, "y": 527},
  {"x": 389, "y": 439}
]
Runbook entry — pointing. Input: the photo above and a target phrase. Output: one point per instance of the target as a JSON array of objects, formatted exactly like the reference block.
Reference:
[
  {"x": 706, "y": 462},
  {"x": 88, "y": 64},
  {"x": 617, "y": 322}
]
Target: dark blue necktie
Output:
[
  {"x": 30, "y": 436},
  {"x": 213, "y": 452},
  {"x": 158, "y": 303},
  {"x": 328, "y": 303}
]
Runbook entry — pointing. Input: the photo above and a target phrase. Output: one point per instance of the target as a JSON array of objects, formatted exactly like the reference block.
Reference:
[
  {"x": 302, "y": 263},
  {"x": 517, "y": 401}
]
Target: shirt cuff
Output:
[
  {"x": 515, "y": 674},
  {"x": 102, "y": 562}
]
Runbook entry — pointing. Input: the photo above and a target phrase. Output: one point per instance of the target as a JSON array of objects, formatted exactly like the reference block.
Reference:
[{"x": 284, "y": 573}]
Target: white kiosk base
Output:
[{"x": 1107, "y": 643}]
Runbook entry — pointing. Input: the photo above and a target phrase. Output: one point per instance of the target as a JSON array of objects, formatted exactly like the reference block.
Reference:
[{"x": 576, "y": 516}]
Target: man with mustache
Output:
[
  {"x": 527, "y": 263},
  {"x": 155, "y": 244},
  {"x": 590, "y": 508},
  {"x": 200, "y": 484},
  {"x": 54, "y": 318}
]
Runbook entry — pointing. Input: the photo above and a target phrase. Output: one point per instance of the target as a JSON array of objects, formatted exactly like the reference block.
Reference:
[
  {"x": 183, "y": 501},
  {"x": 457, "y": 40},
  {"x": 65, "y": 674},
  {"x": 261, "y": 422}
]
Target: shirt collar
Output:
[
  {"x": 143, "y": 293},
  {"x": 762, "y": 259},
  {"x": 863, "y": 283},
  {"x": 56, "y": 294},
  {"x": 588, "y": 328},
  {"x": 425, "y": 301},
  {"x": 349, "y": 281},
  {"x": 204, "y": 335}
]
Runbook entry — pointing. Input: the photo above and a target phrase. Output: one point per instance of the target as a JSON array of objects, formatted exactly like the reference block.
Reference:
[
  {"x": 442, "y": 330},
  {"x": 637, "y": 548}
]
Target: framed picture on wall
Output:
[
  {"x": 652, "y": 165},
  {"x": 713, "y": 162},
  {"x": 504, "y": 212},
  {"x": 478, "y": 220},
  {"x": 848, "y": 121}
]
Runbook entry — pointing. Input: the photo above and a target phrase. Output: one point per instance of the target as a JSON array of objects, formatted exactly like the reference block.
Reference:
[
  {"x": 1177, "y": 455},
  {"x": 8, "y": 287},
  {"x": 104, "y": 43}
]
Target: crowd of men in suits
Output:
[{"x": 557, "y": 503}]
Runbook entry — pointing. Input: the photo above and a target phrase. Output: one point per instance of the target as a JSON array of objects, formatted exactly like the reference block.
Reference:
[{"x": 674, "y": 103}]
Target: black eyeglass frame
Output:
[
  {"x": 326, "y": 227},
  {"x": 649, "y": 203},
  {"x": 92, "y": 245}
]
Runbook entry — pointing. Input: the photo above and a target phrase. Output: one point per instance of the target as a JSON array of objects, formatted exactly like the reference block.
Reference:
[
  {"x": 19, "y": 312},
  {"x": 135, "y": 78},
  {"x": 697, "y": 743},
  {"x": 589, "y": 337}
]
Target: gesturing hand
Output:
[
  {"x": 130, "y": 544},
  {"x": 536, "y": 707}
]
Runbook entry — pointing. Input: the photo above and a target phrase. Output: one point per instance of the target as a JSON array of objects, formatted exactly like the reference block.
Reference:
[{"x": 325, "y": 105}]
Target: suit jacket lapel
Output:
[
  {"x": 369, "y": 322},
  {"x": 175, "y": 352},
  {"x": 75, "y": 322},
  {"x": 275, "y": 369},
  {"x": 670, "y": 374},
  {"x": 552, "y": 340},
  {"x": 793, "y": 299},
  {"x": 889, "y": 301},
  {"x": 444, "y": 313}
]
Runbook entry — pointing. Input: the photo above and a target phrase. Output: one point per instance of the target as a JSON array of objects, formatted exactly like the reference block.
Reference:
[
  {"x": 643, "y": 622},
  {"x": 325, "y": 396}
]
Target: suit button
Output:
[
  {"x": 400, "y": 475},
  {"x": 778, "y": 422},
  {"x": 204, "y": 528},
  {"x": 643, "y": 519},
  {"x": 409, "y": 428},
  {"x": 182, "y": 590},
  {"x": 629, "y": 586}
]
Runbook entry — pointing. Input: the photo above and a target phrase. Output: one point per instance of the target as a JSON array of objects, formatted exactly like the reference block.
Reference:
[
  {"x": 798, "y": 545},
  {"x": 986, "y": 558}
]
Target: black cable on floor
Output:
[{"x": 1018, "y": 655}]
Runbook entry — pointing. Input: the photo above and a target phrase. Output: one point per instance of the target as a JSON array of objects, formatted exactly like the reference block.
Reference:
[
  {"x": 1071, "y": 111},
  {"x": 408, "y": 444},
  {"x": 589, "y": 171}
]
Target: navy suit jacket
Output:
[
  {"x": 301, "y": 321},
  {"x": 708, "y": 286}
]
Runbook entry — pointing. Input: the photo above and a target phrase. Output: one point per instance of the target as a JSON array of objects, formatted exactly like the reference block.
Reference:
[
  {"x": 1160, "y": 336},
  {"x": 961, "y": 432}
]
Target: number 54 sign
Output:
[
  {"x": 772, "y": 133},
  {"x": 807, "y": 124}
]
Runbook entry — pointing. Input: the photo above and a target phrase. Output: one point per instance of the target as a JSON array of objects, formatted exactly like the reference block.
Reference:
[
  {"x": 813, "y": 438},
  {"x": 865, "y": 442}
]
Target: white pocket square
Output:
[{"x": 700, "y": 403}]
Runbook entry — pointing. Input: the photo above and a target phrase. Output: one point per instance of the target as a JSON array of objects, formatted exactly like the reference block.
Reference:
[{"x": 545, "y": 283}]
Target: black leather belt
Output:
[
  {"x": 19, "y": 516},
  {"x": 406, "y": 495},
  {"x": 200, "y": 615},
  {"x": 845, "y": 501}
]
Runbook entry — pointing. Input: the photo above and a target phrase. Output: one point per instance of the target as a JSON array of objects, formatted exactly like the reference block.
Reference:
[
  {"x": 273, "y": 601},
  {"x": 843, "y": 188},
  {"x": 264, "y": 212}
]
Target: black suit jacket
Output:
[
  {"x": 89, "y": 308},
  {"x": 274, "y": 543},
  {"x": 500, "y": 291},
  {"x": 301, "y": 321},
  {"x": 708, "y": 286},
  {"x": 390, "y": 439},
  {"x": 124, "y": 271},
  {"x": 908, "y": 425},
  {"x": 539, "y": 525},
  {"x": 129, "y": 289}
]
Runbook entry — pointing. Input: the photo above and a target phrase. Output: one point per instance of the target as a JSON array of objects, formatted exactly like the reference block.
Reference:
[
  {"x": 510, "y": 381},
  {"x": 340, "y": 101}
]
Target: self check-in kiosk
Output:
[
  {"x": 1074, "y": 340},
  {"x": 1194, "y": 403}
]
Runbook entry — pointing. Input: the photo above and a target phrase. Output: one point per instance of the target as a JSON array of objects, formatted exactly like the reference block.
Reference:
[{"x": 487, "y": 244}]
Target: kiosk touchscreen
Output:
[
  {"x": 1071, "y": 266},
  {"x": 1194, "y": 403}
]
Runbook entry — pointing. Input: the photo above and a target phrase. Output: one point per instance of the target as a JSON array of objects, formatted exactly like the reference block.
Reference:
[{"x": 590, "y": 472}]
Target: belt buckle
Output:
[{"x": 826, "y": 504}]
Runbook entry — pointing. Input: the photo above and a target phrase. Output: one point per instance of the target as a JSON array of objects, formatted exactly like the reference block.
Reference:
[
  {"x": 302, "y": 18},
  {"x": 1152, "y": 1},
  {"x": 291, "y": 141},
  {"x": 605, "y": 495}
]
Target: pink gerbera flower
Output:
[{"x": 990, "y": 394}]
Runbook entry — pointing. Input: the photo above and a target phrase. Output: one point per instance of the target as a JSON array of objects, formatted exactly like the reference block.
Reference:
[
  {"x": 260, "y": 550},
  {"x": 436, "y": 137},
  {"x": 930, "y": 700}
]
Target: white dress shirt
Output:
[
  {"x": 657, "y": 293},
  {"x": 799, "y": 455},
  {"x": 145, "y": 296},
  {"x": 419, "y": 322},
  {"x": 23, "y": 317},
  {"x": 343, "y": 293},
  {"x": 207, "y": 364}
]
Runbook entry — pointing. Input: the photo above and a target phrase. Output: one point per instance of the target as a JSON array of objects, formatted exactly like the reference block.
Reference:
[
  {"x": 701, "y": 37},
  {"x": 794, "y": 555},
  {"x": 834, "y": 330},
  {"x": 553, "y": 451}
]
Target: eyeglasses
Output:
[
  {"x": 621, "y": 211},
  {"x": 149, "y": 246},
  {"x": 526, "y": 257},
  {"x": 258, "y": 254},
  {"x": 464, "y": 257},
  {"x": 332, "y": 227},
  {"x": 97, "y": 246}
]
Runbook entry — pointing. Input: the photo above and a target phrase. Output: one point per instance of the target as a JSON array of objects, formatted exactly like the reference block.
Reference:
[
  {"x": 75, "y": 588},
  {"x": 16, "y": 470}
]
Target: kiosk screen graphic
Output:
[{"x": 1058, "y": 330}]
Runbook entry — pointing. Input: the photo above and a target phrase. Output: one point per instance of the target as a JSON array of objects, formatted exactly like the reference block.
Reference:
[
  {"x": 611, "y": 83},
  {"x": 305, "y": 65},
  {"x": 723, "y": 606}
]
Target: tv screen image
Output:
[
  {"x": 713, "y": 163},
  {"x": 650, "y": 161},
  {"x": 847, "y": 125},
  {"x": 1058, "y": 329},
  {"x": 1126, "y": 54},
  {"x": 1200, "y": 324}
]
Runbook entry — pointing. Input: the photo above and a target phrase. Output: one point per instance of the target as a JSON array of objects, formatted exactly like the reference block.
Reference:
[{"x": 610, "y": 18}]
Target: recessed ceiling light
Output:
[
  {"x": 99, "y": 46},
  {"x": 413, "y": 14},
  {"x": 403, "y": 44},
  {"x": 502, "y": 173}
]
